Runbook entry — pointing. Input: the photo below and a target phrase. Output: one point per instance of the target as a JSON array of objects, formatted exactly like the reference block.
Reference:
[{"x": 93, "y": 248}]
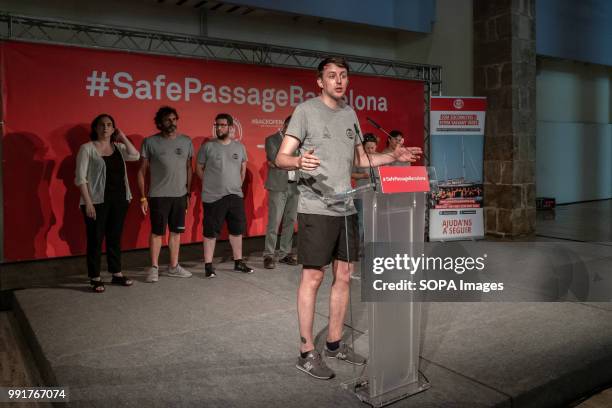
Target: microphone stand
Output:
[
  {"x": 372, "y": 177},
  {"x": 377, "y": 126}
]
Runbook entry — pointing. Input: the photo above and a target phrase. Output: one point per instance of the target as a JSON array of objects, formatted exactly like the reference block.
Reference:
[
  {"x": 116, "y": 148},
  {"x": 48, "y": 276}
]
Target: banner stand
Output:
[{"x": 457, "y": 152}]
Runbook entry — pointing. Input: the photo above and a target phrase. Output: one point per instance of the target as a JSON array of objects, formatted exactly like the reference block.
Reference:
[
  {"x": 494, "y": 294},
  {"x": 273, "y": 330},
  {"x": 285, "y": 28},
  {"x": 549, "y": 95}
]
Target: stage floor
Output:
[
  {"x": 585, "y": 222},
  {"x": 232, "y": 342}
]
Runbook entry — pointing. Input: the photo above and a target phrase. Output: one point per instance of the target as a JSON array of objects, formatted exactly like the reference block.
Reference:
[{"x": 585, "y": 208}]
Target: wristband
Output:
[{"x": 143, "y": 199}]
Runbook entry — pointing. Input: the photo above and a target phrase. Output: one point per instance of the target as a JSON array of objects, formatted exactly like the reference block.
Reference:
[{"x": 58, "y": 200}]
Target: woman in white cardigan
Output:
[{"x": 105, "y": 195}]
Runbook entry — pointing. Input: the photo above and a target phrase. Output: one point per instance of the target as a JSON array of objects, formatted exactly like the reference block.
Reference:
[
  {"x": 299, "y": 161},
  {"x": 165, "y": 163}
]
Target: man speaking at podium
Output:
[{"x": 326, "y": 131}]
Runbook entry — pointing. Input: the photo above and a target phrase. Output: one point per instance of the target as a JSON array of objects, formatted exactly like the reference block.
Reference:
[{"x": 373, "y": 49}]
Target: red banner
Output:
[{"x": 50, "y": 95}]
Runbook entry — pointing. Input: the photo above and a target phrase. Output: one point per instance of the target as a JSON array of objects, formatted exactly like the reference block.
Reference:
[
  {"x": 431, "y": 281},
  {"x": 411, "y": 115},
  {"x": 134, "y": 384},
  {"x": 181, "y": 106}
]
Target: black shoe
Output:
[
  {"x": 240, "y": 266},
  {"x": 209, "y": 272},
  {"x": 269, "y": 262},
  {"x": 288, "y": 260}
]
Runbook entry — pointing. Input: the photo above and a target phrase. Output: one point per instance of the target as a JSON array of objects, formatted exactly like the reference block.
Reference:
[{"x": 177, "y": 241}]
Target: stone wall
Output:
[{"x": 505, "y": 72}]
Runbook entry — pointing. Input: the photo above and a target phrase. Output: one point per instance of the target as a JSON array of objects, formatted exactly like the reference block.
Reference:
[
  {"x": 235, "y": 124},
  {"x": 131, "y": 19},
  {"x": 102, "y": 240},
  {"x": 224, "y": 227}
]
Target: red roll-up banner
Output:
[{"x": 50, "y": 94}]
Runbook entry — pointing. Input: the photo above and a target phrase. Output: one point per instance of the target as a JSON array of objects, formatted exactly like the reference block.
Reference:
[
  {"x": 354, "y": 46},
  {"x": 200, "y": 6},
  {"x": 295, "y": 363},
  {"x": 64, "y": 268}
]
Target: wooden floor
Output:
[
  {"x": 17, "y": 368},
  {"x": 601, "y": 400}
]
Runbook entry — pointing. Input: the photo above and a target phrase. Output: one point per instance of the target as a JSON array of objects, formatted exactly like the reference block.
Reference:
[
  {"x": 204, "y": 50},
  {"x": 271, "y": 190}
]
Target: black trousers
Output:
[{"x": 107, "y": 224}]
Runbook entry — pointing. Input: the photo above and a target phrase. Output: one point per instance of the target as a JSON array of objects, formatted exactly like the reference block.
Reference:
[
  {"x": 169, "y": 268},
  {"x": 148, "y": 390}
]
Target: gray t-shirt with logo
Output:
[
  {"x": 167, "y": 164},
  {"x": 332, "y": 135},
  {"x": 222, "y": 165}
]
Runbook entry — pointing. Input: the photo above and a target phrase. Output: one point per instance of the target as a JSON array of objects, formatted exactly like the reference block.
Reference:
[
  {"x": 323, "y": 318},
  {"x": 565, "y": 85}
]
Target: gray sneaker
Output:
[
  {"x": 345, "y": 353},
  {"x": 152, "y": 275},
  {"x": 314, "y": 365},
  {"x": 178, "y": 272}
]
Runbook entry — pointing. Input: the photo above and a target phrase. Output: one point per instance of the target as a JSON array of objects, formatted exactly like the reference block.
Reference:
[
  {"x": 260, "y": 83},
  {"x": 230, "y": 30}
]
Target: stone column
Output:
[{"x": 505, "y": 72}]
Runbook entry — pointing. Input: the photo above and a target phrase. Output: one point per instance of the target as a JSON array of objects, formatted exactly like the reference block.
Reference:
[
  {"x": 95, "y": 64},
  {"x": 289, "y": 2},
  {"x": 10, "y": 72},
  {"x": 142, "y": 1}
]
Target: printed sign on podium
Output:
[{"x": 403, "y": 179}]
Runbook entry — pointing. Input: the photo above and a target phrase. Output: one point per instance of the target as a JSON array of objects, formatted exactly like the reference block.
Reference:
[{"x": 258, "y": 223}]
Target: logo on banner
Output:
[
  {"x": 126, "y": 85},
  {"x": 267, "y": 122},
  {"x": 458, "y": 103},
  {"x": 235, "y": 132}
]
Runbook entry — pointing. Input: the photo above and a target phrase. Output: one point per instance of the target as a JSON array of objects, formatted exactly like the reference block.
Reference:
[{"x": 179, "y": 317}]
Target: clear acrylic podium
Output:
[{"x": 394, "y": 328}]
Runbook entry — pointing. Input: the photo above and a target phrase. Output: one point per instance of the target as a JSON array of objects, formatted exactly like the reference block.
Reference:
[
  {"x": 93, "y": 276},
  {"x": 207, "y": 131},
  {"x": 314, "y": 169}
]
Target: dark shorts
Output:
[
  {"x": 323, "y": 238},
  {"x": 168, "y": 211},
  {"x": 229, "y": 208}
]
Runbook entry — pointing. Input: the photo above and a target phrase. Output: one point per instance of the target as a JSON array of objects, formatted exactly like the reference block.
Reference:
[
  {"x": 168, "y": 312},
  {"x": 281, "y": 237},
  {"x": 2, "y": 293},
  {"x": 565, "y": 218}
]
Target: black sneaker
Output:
[
  {"x": 269, "y": 262},
  {"x": 209, "y": 272},
  {"x": 288, "y": 260},
  {"x": 240, "y": 266}
]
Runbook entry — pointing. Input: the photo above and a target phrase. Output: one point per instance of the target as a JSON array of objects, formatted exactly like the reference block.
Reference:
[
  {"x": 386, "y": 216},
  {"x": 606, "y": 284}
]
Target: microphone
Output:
[
  {"x": 377, "y": 126},
  {"x": 372, "y": 178}
]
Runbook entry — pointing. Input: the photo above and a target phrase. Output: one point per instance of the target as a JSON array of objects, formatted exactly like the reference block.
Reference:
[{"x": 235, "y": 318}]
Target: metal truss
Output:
[
  {"x": 23, "y": 28},
  {"x": 430, "y": 89}
]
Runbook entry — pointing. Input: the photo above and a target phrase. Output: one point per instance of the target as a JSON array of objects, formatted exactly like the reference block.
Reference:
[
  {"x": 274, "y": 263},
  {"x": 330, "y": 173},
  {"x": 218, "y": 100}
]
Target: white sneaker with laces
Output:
[
  {"x": 152, "y": 275},
  {"x": 178, "y": 272}
]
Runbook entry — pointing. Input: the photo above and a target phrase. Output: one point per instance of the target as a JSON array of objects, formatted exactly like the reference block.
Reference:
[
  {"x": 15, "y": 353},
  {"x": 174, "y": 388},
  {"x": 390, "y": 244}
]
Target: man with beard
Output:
[
  {"x": 222, "y": 167},
  {"x": 326, "y": 130},
  {"x": 167, "y": 155}
]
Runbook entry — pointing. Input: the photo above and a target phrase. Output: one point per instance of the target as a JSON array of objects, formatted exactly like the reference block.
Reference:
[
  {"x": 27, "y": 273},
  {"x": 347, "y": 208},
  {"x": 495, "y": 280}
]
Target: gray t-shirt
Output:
[
  {"x": 331, "y": 133},
  {"x": 168, "y": 164},
  {"x": 222, "y": 165}
]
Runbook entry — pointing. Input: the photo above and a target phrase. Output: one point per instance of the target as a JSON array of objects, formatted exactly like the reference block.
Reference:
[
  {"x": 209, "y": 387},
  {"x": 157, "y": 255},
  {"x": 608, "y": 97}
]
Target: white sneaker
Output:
[
  {"x": 178, "y": 272},
  {"x": 152, "y": 275}
]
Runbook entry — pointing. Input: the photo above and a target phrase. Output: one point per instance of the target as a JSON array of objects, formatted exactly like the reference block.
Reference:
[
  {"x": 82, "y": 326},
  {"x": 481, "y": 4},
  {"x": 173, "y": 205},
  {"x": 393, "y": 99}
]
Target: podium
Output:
[{"x": 394, "y": 328}]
